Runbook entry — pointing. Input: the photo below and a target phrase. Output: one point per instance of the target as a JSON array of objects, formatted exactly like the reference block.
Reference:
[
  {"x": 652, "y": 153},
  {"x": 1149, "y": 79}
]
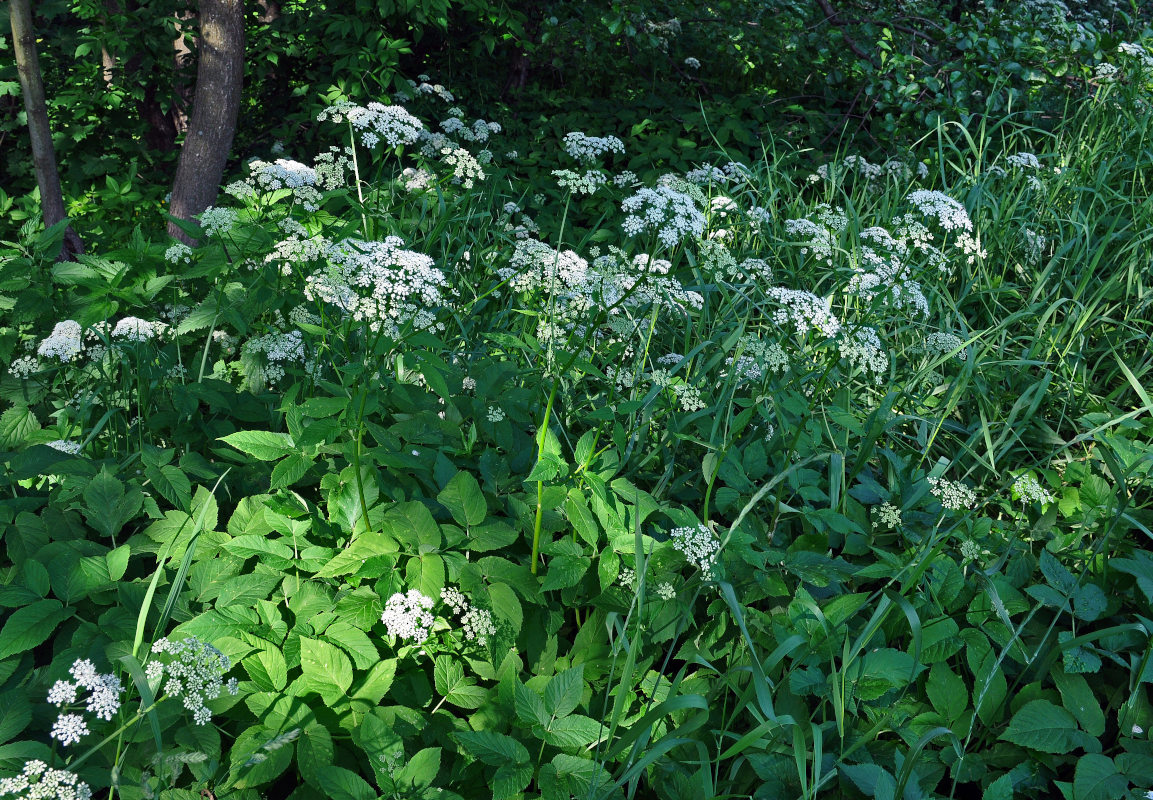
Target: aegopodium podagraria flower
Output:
[
  {"x": 193, "y": 670},
  {"x": 64, "y": 343},
  {"x": 1028, "y": 490},
  {"x": 478, "y": 625},
  {"x": 407, "y": 616},
  {"x": 103, "y": 701},
  {"x": 37, "y": 782},
  {"x": 699, "y": 546},
  {"x": 69, "y": 728},
  {"x": 887, "y": 516},
  {"x": 954, "y": 495}
]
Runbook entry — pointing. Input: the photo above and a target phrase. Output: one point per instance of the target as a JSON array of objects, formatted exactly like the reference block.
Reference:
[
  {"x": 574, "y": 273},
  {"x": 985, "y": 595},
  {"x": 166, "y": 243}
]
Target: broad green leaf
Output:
[
  {"x": 491, "y": 535},
  {"x": 326, "y": 669},
  {"x": 1089, "y": 602},
  {"x": 267, "y": 669},
  {"x": 572, "y": 732},
  {"x": 259, "y": 756},
  {"x": 15, "y": 714},
  {"x": 464, "y": 499},
  {"x": 563, "y": 693},
  {"x": 251, "y": 544},
  {"x": 1096, "y": 778},
  {"x": 493, "y": 748},
  {"x": 172, "y": 484},
  {"x": 510, "y": 780},
  {"x": 1000, "y": 789},
  {"x": 290, "y": 470},
  {"x": 107, "y": 506},
  {"x": 1040, "y": 725},
  {"x": 31, "y": 625},
  {"x": 426, "y": 573},
  {"x": 1079, "y": 700},
  {"x": 355, "y": 642},
  {"x": 580, "y": 516},
  {"x": 529, "y": 705},
  {"x": 506, "y": 606},
  {"x": 565, "y": 571},
  {"x": 117, "y": 561},
  {"x": 421, "y": 770},
  {"x": 261, "y": 445},
  {"x": 375, "y": 685},
  {"x": 1055, "y": 573},
  {"x": 873, "y": 780},
  {"x": 411, "y": 523},
  {"x": 452, "y": 684},
  {"x": 339, "y": 783},
  {"x": 16, "y": 425},
  {"x": 314, "y": 751},
  {"x": 947, "y": 692}
]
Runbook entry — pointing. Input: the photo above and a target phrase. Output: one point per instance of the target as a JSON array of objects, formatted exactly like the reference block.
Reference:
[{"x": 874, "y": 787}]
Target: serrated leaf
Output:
[
  {"x": 261, "y": 445},
  {"x": 290, "y": 470},
  {"x": 117, "y": 561},
  {"x": 421, "y": 770},
  {"x": 375, "y": 684},
  {"x": 251, "y": 544},
  {"x": 1040, "y": 725},
  {"x": 326, "y": 669},
  {"x": 947, "y": 692},
  {"x": 1000, "y": 789},
  {"x": 572, "y": 732},
  {"x": 1089, "y": 602},
  {"x": 491, "y": 535},
  {"x": 873, "y": 780},
  {"x": 565, "y": 571},
  {"x": 529, "y": 705},
  {"x": 172, "y": 484},
  {"x": 339, "y": 783},
  {"x": 563, "y": 692},
  {"x": 16, "y": 425},
  {"x": 353, "y": 641},
  {"x": 1079, "y": 700},
  {"x": 493, "y": 748},
  {"x": 30, "y": 626},
  {"x": 463, "y": 497},
  {"x": 267, "y": 669},
  {"x": 1055, "y": 573},
  {"x": 1096, "y": 778},
  {"x": 314, "y": 750}
]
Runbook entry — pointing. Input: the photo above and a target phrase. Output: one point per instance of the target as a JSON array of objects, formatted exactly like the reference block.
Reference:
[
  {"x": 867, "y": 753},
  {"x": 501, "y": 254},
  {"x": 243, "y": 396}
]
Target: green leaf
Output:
[
  {"x": 572, "y": 732},
  {"x": 30, "y": 626},
  {"x": 421, "y": 770},
  {"x": 1078, "y": 699},
  {"x": 506, "y": 606},
  {"x": 491, "y": 535},
  {"x": 563, "y": 692},
  {"x": 370, "y": 544},
  {"x": 353, "y": 641},
  {"x": 1096, "y": 778},
  {"x": 565, "y": 571},
  {"x": 426, "y": 573},
  {"x": 15, "y": 714},
  {"x": 452, "y": 684},
  {"x": 872, "y": 780},
  {"x": 1000, "y": 789},
  {"x": 252, "y": 544},
  {"x": 107, "y": 506},
  {"x": 290, "y": 470},
  {"x": 580, "y": 516},
  {"x": 411, "y": 523},
  {"x": 1057, "y": 576},
  {"x": 326, "y": 669},
  {"x": 947, "y": 692},
  {"x": 375, "y": 685},
  {"x": 510, "y": 780},
  {"x": 1089, "y": 602},
  {"x": 261, "y": 445},
  {"x": 172, "y": 484},
  {"x": 16, "y": 425},
  {"x": 117, "y": 561},
  {"x": 339, "y": 783},
  {"x": 529, "y": 705},
  {"x": 267, "y": 669},
  {"x": 314, "y": 751},
  {"x": 492, "y": 748},
  {"x": 464, "y": 499},
  {"x": 1040, "y": 725}
]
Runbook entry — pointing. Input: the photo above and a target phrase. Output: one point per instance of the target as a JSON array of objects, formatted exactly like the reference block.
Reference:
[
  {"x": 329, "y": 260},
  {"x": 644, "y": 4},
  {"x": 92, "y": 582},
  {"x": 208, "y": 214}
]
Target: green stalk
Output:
[{"x": 540, "y": 439}]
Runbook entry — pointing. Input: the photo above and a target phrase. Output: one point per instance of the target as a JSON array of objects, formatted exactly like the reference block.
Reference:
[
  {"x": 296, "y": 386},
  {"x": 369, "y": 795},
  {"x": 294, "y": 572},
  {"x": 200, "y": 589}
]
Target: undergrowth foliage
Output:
[{"x": 423, "y": 475}]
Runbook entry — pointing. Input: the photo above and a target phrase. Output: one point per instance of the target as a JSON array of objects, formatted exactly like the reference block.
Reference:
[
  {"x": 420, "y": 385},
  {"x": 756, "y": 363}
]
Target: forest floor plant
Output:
[{"x": 428, "y": 475}]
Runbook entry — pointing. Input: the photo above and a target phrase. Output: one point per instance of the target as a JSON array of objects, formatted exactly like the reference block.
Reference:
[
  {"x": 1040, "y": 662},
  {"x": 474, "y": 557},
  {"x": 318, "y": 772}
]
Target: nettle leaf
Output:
[
  {"x": 510, "y": 780},
  {"x": 261, "y": 445},
  {"x": 563, "y": 693},
  {"x": 326, "y": 669},
  {"x": 464, "y": 499},
  {"x": 290, "y": 470},
  {"x": 1040, "y": 725},
  {"x": 1097, "y": 778},
  {"x": 30, "y": 626}
]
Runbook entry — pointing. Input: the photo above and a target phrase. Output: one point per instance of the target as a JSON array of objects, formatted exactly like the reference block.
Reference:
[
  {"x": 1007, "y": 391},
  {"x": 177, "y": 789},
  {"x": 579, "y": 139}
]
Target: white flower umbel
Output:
[
  {"x": 666, "y": 591},
  {"x": 692, "y": 63},
  {"x": 580, "y": 183},
  {"x": 863, "y": 350},
  {"x": 376, "y": 122},
  {"x": 64, "y": 343},
  {"x": 666, "y": 209},
  {"x": 217, "y": 221},
  {"x": 37, "y": 782},
  {"x": 407, "y": 616},
  {"x": 194, "y": 671},
  {"x": 1027, "y": 489},
  {"x": 454, "y": 599},
  {"x": 134, "y": 329},
  {"x": 71, "y": 448},
  {"x": 587, "y": 149},
  {"x": 804, "y": 311},
  {"x": 949, "y": 214},
  {"x": 478, "y": 625},
  {"x": 888, "y": 516},
  {"x": 69, "y": 729},
  {"x": 954, "y": 495},
  {"x": 699, "y": 546}
]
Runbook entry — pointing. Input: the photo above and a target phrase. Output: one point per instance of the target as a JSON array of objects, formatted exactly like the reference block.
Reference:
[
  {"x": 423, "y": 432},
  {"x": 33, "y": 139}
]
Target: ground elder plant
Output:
[{"x": 420, "y": 477}]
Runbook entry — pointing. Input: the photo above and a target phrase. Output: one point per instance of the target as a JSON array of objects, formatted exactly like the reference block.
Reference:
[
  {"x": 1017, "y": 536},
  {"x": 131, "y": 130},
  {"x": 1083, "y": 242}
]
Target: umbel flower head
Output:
[
  {"x": 194, "y": 671},
  {"x": 37, "y": 781},
  {"x": 407, "y": 616}
]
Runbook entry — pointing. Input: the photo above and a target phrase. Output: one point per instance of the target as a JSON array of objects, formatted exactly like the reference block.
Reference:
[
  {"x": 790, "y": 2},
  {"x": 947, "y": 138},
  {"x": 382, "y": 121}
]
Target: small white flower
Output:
[
  {"x": 62, "y": 693},
  {"x": 64, "y": 343},
  {"x": 953, "y": 495},
  {"x": 495, "y": 414},
  {"x": 699, "y": 547},
  {"x": 407, "y": 616},
  {"x": 692, "y": 63},
  {"x": 71, "y": 448},
  {"x": 478, "y": 625},
  {"x": 69, "y": 728},
  {"x": 666, "y": 591}
]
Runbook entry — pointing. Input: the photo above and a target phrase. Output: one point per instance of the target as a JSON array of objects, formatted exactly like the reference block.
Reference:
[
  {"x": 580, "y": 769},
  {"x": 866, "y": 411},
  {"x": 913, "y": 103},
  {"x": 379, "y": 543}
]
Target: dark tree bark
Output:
[
  {"x": 215, "y": 106},
  {"x": 43, "y": 151}
]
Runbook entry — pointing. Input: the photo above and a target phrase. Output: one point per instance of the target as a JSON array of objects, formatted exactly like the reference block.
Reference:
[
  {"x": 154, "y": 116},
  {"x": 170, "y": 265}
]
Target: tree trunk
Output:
[
  {"x": 215, "y": 106},
  {"x": 43, "y": 151}
]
